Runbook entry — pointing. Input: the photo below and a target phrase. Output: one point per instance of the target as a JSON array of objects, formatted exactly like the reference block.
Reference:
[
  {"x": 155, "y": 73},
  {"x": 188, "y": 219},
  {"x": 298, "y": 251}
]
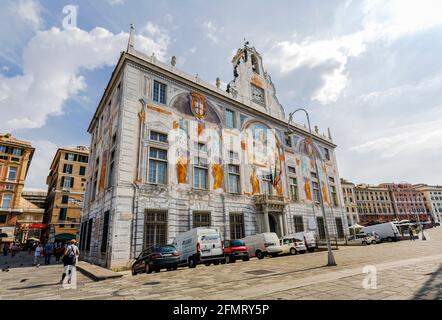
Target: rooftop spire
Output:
[{"x": 131, "y": 43}]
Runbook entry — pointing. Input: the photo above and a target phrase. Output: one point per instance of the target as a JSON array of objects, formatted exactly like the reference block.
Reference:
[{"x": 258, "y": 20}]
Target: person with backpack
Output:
[{"x": 69, "y": 259}]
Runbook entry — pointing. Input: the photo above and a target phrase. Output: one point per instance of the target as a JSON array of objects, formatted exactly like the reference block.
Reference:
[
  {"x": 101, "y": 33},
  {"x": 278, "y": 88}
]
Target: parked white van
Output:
[
  {"x": 262, "y": 244},
  {"x": 309, "y": 239},
  {"x": 387, "y": 231},
  {"x": 200, "y": 245}
]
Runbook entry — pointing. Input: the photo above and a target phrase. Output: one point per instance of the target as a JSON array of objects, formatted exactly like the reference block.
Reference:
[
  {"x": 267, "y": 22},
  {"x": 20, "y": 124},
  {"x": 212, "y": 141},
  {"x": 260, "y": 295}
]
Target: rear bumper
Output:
[
  {"x": 211, "y": 258},
  {"x": 165, "y": 263},
  {"x": 238, "y": 254}
]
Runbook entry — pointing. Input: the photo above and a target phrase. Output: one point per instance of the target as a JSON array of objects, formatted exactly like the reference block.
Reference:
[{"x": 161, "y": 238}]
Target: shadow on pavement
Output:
[
  {"x": 432, "y": 289},
  {"x": 37, "y": 286}
]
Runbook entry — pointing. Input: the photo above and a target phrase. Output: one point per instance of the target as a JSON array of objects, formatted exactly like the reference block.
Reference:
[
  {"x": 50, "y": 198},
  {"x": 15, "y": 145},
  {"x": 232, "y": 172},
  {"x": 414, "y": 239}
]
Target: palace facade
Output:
[{"x": 170, "y": 152}]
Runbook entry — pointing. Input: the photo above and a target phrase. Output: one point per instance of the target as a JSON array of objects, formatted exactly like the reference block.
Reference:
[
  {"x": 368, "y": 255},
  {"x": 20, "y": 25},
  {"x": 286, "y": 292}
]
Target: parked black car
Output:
[{"x": 156, "y": 258}]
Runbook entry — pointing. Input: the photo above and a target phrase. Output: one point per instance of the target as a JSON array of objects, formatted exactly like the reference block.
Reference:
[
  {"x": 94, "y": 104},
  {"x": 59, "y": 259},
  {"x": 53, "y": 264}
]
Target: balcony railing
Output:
[{"x": 269, "y": 199}]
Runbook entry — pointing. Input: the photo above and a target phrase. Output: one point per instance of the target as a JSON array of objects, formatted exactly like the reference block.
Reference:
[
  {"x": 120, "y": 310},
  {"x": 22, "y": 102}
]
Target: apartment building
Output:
[
  {"x": 432, "y": 196},
  {"x": 351, "y": 206},
  {"x": 374, "y": 204}
]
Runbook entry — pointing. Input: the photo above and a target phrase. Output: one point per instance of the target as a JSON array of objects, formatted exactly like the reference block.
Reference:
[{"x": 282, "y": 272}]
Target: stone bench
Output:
[{"x": 96, "y": 273}]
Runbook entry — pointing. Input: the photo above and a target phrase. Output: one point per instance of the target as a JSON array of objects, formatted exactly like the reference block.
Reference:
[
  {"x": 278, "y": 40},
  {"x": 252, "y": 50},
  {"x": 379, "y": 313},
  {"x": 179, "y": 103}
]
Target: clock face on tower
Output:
[{"x": 258, "y": 95}]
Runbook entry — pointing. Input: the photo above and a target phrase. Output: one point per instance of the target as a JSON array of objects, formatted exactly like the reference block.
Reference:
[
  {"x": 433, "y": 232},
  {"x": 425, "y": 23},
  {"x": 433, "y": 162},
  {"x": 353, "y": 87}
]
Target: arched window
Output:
[{"x": 255, "y": 65}]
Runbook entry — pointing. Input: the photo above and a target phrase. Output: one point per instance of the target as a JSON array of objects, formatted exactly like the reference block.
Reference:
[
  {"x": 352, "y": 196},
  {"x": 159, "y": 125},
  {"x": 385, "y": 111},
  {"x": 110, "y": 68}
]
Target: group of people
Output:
[
  {"x": 13, "y": 249},
  {"x": 69, "y": 253},
  {"x": 47, "y": 251}
]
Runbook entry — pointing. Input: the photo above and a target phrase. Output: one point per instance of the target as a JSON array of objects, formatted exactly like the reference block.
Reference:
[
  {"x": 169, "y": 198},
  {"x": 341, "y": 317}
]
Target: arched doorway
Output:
[{"x": 273, "y": 224}]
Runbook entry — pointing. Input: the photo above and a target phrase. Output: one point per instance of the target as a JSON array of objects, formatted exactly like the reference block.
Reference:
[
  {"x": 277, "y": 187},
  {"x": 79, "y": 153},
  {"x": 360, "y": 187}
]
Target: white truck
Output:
[
  {"x": 387, "y": 231},
  {"x": 200, "y": 245},
  {"x": 263, "y": 244},
  {"x": 309, "y": 239}
]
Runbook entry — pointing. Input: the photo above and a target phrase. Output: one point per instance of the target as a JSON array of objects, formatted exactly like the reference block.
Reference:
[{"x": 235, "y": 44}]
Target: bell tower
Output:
[{"x": 253, "y": 83}]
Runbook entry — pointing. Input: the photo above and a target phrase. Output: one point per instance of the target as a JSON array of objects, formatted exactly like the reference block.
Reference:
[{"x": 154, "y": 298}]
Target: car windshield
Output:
[
  {"x": 237, "y": 243},
  {"x": 165, "y": 249}
]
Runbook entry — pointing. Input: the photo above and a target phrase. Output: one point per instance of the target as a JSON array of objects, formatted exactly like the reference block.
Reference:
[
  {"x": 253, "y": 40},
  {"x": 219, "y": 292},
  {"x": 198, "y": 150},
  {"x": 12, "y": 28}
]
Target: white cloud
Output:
[
  {"x": 423, "y": 137},
  {"x": 212, "y": 32},
  {"x": 115, "y": 2},
  {"x": 52, "y": 64},
  {"x": 30, "y": 12},
  {"x": 41, "y": 161},
  {"x": 382, "y": 20}
]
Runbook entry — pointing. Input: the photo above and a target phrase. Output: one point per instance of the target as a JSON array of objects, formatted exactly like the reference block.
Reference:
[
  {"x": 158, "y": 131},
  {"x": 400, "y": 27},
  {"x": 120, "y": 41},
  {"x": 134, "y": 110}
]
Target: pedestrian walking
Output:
[
  {"x": 5, "y": 249},
  {"x": 37, "y": 254},
  {"x": 58, "y": 252},
  {"x": 411, "y": 234},
  {"x": 14, "y": 249},
  {"x": 70, "y": 257},
  {"x": 49, "y": 250}
]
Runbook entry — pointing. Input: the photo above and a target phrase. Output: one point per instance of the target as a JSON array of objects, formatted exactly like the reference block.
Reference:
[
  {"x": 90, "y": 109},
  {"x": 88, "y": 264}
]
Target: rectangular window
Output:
[
  {"x": 200, "y": 147},
  {"x": 299, "y": 223},
  {"x": 67, "y": 168},
  {"x": 12, "y": 174},
  {"x": 17, "y": 152},
  {"x": 83, "y": 159},
  {"x": 157, "y": 166},
  {"x": 292, "y": 170},
  {"x": 242, "y": 119},
  {"x": 334, "y": 196},
  {"x": 316, "y": 193},
  {"x": 82, "y": 171},
  {"x": 89, "y": 234},
  {"x": 294, "y": 189},
  {"x": 339, "y": 228},
  {"x": 234, "y": 178},
  {"x": 155, "y": 228},
  {"x": 3, "y": 218},
  {"x": 70, "y": 157},
  {"x": 6, "y": 202},
  {"x": 200, "y": 173},
  {"x": 110, "y": 178},
  {"x": 158, "y": 136},
  {"x": 201, "y": 219},
  {"x": 2, "y": 149},
  {"x": 236, "y": 226},
  {"x": 63, "y": 214},
  {"x": 159, "y": 92},
  {"x": 327, "y": 154},
  {"x": 105, "y": 232},
  {"x": 65, "y": 199},
  {"x": 230, "y": 118},
  {"x": 233, "y": 155},
  {"x": 67, "y": 182},
  {"x": 266, "y": 184},
  {"x": 321, "y": 227}
]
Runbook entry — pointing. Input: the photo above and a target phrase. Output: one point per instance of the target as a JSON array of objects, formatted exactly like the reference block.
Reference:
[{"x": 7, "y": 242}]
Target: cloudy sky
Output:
[{"x": 370, "y": 70}]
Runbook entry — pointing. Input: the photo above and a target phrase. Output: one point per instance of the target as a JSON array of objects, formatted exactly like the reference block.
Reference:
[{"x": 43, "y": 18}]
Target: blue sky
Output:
[{"x": 369, "y": 69}]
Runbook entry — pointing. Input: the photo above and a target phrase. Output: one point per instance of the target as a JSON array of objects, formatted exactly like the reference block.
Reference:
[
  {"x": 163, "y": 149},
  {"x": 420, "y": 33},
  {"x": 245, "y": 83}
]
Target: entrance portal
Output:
[{"x": 272, "y": 223}]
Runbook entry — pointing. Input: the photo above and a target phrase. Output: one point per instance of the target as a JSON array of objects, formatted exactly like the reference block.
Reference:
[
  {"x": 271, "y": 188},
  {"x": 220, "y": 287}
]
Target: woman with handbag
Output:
[{"x": 69, "y": 259}]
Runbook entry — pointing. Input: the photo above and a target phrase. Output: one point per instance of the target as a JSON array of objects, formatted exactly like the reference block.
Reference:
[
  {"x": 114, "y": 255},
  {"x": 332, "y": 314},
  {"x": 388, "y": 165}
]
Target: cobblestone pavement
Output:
[{"x": 403, "y": 270}]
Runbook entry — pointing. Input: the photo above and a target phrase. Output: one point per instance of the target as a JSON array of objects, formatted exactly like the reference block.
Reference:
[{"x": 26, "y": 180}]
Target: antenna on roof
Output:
[{"x": 131, "y": 43}]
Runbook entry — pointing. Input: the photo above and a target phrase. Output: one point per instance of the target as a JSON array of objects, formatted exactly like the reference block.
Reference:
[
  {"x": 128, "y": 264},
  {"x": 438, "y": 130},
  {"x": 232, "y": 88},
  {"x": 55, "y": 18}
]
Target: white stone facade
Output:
[{"x": 117, "y": 200}]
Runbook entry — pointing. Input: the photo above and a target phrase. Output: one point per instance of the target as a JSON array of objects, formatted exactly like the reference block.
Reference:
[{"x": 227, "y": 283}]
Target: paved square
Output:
[{"x": 403, "y": 270}]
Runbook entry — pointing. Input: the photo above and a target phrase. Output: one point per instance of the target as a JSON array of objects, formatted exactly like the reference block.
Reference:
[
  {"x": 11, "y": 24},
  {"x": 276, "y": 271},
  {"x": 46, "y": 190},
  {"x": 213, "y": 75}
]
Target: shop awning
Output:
[
  {"x": 37, "y": 226},
  {"x": 64, "y": 237}
]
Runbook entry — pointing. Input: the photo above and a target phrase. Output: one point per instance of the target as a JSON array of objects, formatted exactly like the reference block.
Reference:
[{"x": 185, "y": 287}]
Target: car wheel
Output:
[
  {"x": 373, "y": 242},
  {"x": 311, "y": 249},
  {"x": 389, "y": 239},
  {"x": 216, "y": 263},
  {"x": 223, "y": 261},
  {"x": 259, "y": 254},
  {"x": 228, "y": 260},
  {"x": 148, "y": 268},
  {"x": 192, "y": 263},
  {"x": 364, "y": 243},
  {"x": 233, "y": 260},
  {"x": 293, "y": 251},
  {"x": 134, "y": 273},
  {"x": 246, "y": 259}
]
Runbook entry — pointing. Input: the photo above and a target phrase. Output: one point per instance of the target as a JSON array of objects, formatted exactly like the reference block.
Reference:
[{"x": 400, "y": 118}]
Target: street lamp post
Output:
[{"x": 331, "y": 259}]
